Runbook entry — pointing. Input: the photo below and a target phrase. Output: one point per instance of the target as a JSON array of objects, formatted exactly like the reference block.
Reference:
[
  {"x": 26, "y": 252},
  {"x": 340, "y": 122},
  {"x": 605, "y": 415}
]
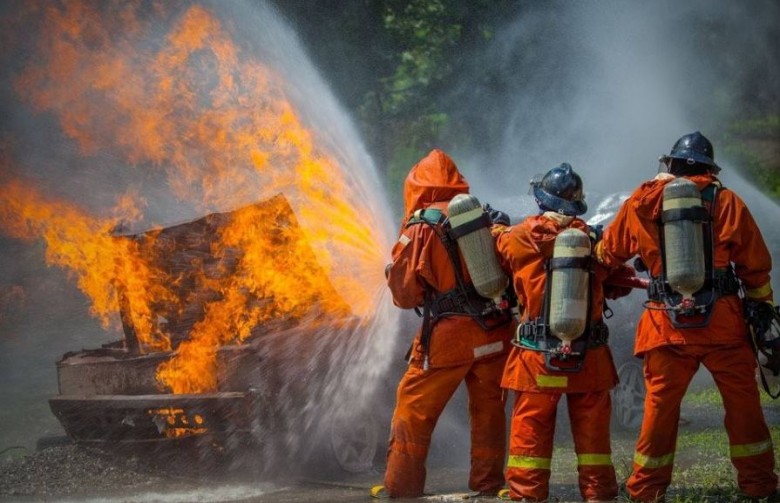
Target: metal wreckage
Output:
[{"x": 263, "y": 389}]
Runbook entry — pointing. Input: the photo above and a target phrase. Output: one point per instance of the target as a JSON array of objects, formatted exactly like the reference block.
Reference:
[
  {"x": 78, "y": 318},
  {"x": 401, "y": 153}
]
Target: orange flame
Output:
[
  {"x": 85, "y": 247},
  {"x": 187, "y": 104}
]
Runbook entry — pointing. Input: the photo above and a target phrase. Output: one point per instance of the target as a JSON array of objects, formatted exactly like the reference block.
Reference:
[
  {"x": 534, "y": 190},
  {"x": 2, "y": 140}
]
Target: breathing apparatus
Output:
[
  {"x": 488, "y": 298},
  {"x": 470, "y": 226},
  {"x": 563, "y": 331},
  {"x": 689, "y": 284},
  {"x": 763, "y": 321}
]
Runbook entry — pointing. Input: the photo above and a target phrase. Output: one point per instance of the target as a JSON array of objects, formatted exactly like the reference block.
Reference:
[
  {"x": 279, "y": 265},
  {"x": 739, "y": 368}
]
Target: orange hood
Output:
[{"x": 434, "y": 179}]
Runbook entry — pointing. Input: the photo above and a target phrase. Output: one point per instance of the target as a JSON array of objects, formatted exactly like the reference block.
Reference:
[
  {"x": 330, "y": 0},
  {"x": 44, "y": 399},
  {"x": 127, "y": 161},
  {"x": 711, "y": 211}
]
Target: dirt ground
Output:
[{"x": 64, "y": 472}]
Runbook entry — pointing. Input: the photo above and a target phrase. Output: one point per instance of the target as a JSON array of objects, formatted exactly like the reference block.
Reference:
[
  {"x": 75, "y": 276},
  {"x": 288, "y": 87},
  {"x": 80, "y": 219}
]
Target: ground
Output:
[{"x": 67, "y": 472}]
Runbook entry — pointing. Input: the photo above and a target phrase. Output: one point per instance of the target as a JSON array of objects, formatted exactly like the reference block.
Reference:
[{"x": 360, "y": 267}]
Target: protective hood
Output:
[{"x": 434, "y": 179}]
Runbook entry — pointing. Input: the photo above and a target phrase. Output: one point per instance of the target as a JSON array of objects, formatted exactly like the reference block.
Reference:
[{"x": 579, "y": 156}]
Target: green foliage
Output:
[
  {"x": 424, "y": 32},
  {"x": 754, "y": 146},
  {"x": 711, "y": 397},
  {"x": 392, "y": 62}
]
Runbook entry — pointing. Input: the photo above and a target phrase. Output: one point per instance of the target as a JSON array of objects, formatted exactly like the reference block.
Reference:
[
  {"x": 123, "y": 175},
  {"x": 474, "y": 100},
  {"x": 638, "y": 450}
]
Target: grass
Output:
[
  {"x": 702, "y": 470},
  {"x": 711, "y": 396}
]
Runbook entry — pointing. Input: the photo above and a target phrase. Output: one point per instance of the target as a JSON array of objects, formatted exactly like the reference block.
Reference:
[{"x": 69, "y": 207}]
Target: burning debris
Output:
[
  {"x": 253, "y": 261},
  {"x": 234, "y": 324},
  {"x": 225, "y": 277}
]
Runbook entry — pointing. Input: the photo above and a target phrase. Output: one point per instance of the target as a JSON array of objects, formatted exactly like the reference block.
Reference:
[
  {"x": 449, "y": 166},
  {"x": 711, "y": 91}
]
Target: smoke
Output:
[
  {"x": 609, "y": 86},
  {"x": 183, "y": 110}
]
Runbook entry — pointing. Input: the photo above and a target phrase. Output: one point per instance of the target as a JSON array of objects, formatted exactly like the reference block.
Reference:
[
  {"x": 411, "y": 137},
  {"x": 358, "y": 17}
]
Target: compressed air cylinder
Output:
[
  {"x": 569, "y": 285},
  {"x": 683, "y": 239},
  {"x": 477, "y": 247}
]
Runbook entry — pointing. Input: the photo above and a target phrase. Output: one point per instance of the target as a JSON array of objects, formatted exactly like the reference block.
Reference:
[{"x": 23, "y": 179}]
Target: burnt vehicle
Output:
[{"x": 282, "y": 390}]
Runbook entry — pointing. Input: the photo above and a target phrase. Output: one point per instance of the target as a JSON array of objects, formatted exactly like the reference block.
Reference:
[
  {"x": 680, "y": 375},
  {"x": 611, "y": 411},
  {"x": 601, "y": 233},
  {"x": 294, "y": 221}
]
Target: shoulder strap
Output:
[
  {"x": 430, "y": 216},
  {"x": 710, "y": 192}
]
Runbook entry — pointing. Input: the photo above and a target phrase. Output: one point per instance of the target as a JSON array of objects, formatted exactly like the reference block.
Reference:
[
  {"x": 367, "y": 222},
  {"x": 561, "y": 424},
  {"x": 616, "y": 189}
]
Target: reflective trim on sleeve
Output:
[
  {"x": 648, "y": 462},
  {"x": 594, "y": 459},
  {"x": 761, "y": 291},
  {"x": 744, "y": 450},
  {"x": 404, "y": 240},
  {"x": 528, "y": 462},
  {"x": 552, "y": 381}
]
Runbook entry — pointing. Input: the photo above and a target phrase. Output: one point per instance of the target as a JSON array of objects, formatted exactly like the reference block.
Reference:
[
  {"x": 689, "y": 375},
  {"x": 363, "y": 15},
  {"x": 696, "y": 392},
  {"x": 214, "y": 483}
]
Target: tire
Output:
[
  {"x": 628, "y": 397},
  {"x": 353, "y": 443}
]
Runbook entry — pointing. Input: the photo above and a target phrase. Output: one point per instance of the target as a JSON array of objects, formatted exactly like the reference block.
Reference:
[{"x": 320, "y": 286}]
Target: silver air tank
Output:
[
  {"x": 569, "y": 286},
  {"x": 683, "y": 239},
  {"x": 477, "y": 247}
]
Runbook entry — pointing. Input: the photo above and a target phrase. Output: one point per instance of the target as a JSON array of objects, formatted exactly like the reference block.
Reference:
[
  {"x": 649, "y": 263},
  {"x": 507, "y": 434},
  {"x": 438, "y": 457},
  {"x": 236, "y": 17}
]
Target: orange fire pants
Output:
[
  {"x": 421, "y": 398},
  {"x": 668, "y": 371},
  {"x": 531, "y": 444}
]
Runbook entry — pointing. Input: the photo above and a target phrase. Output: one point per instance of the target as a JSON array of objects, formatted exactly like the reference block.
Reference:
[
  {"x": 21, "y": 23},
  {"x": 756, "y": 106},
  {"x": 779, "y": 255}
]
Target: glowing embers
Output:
[
  {"x": 142, "y": 418},
  {"x": 176, "y": 422}
]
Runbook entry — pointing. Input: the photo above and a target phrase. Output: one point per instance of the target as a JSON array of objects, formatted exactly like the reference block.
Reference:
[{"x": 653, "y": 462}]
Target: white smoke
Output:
[{"x": 609, "y": 86}]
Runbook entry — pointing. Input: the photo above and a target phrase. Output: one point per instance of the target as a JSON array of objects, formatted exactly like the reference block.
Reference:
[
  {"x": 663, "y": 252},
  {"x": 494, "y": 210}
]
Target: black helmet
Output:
[
  {"x": 560, "y": 190},
  {"x": 694, "y": 149}
]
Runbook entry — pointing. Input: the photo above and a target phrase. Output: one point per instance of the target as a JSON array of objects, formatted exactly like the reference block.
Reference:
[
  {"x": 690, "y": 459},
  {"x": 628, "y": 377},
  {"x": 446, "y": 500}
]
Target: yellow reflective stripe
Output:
[
  {"x": 740, "y": 451},
  {"x": 594, "y": 459},
  {"x": 552, "y": 381},
  {"x": 761, "y": 291},
  {"x": 528, "y": 462},
  {"x": 648, "y": 462}
]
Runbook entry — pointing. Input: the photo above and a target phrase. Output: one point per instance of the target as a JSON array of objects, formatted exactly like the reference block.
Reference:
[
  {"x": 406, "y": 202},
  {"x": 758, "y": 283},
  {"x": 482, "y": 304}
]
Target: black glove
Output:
[
  {"x": 760, "y": 315},
  {"x": 497, "y": 217}
]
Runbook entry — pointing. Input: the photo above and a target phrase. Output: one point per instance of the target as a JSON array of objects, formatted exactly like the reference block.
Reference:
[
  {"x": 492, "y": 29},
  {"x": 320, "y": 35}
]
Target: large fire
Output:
[{"x": 187, "y": 108}]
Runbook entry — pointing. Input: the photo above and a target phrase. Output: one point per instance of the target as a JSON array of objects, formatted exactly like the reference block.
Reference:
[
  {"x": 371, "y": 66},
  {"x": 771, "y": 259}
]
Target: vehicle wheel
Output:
[
  {"x": 628, "y": 397},
  {"x": 354, "y": 443}
]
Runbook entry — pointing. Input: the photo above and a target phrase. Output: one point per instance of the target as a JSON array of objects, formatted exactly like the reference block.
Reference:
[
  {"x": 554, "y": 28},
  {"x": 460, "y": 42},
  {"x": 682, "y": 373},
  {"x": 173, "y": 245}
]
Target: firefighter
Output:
[
  {"x": 698, "y": 241},
  {"x": 448, "y": 348},
  {"x": 542, "y": 367}
]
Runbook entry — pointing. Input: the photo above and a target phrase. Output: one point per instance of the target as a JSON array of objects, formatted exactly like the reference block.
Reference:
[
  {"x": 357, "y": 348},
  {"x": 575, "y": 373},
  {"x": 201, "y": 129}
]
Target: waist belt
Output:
[
  {"x": 724, "y": 283},
  {"x": 532, "y": 333},
  {"x": 469, "y": 303},
  {"x": 454, "y": 301}
]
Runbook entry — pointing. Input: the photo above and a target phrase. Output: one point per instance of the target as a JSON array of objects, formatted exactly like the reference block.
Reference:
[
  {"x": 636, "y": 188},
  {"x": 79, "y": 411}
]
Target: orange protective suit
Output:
[
  {"x": 523, "y": 251},
  {"x": 672, "y": 355},
  {"x": 459, "y": 349}
]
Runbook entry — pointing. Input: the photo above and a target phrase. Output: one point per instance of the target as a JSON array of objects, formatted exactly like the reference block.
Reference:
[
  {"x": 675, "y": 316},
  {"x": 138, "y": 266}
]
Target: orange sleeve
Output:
[
  {"x": 512, "y": 254},
  {"x": 403, "y": 279},
  {"x": 747, "y": 249}
]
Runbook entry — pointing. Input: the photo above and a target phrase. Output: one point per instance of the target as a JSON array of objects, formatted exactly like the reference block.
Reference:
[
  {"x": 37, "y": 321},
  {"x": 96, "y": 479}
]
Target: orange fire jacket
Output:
[
  {"x": 523, "y": 250},
  {"x": 420, "y": 258},
  {"x": 737, "y": 240}
]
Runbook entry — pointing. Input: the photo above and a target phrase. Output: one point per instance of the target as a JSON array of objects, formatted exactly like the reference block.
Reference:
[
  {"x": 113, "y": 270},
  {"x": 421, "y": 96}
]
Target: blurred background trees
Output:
[{"x": 391, "y": 62}]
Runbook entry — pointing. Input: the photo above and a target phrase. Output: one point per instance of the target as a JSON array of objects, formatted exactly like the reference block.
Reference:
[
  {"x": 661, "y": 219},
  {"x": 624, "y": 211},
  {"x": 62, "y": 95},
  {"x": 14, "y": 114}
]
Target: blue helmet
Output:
[
  {"x": 697, "y": 153},
  {"x": 560, "y": 190}
]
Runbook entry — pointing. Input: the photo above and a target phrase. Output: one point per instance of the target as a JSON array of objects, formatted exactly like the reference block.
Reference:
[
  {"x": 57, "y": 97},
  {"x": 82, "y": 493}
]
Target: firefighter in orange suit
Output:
[
  {"x": 539, "y": 378},
  {"x": 674, "y": 338},
  {"x": 446, "y": 351}
]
